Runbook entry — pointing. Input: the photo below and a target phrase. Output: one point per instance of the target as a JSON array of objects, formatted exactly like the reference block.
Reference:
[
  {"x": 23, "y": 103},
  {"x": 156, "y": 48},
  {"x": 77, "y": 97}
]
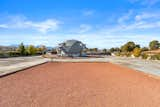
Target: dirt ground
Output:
[{"x": 79, "y": 85}]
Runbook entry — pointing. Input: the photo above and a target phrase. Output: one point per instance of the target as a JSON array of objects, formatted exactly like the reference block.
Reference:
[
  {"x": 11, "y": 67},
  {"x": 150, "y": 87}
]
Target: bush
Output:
[
  {"x": 3, "y": 55},
  {"x": 13, "y": 54},
  {"x": 9, "y": 54},
  {"x": 137, "y": 52},
  {"x": 144, "y": 56},
  {"x": 155, "y": 57},
  {"x": 31, "y": 50},
  {"x": 118, "y": 54},
  {"x": 144, "y": 49},
  {"x": 128, "y": 54}
]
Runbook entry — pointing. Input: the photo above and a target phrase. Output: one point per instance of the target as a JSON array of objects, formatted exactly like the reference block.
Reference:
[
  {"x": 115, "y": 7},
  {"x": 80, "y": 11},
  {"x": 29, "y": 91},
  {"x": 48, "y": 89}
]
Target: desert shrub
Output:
[
  {"x": 137, "y": 52},
  {"x": 155, "y": 57},
  {"x": 158, "y": 56},
  {"x": 9, "y": 54},
  {"x": 144, "y": 56},
  {"x": 118, "y": 54},
  {"x": 13, "y": 54},
  {"x": 31, "y": 50},
  {"x": 144, "y": 49},
  {"x": 127, "y": 54},
  {"x": 2, "y": 55}
]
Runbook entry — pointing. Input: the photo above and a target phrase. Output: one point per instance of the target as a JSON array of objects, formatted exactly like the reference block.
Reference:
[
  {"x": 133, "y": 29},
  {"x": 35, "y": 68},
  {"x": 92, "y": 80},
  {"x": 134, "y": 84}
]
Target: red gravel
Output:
[{"x": 79, "y": 85}]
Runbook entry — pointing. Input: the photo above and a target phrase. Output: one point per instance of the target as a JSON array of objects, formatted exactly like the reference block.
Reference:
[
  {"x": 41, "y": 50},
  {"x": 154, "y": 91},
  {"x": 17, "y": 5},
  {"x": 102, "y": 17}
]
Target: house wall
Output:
[
  {"x": 61, "y": 53},
  {"x": 74, "y": 50}
]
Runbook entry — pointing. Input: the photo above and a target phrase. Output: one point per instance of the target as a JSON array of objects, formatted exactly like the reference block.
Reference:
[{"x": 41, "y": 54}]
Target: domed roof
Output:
[
  {"x": 72, "y": 46},
  {"x": 71, "y": 42}
]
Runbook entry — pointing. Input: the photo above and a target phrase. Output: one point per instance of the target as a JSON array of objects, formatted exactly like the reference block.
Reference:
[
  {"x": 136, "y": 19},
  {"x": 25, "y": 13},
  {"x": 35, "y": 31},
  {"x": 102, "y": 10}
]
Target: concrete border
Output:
[{"x": 16, "y": 71}]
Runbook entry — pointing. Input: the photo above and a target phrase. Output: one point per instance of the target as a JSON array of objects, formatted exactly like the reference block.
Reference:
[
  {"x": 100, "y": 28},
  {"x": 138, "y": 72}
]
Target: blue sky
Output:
[{"x": 97, "y": 23}]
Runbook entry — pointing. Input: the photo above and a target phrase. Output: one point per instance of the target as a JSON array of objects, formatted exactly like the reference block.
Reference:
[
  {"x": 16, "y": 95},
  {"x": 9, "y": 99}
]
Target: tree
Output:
[
  {"x": 104, "y": 51},
  {"x": 137, "y": 52},
  {"x": 154, "y": 45},
  {"x": 128, "y": 47},
  {"x": 144, "y": 49},
  {"x": 95, "y": 49},
  {"x": 31, "y": 50},
  {"x": 21, "y": 49},
  {"x": 138, "y": 46},
  {"x": 112, "y": 50},
  {"x": 115, "y": 50},
  {"x": 41, "y": 49}
]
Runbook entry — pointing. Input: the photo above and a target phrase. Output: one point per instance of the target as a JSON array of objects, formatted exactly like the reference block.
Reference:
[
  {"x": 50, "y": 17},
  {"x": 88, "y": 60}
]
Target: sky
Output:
[{"x": 97, "y": 23}]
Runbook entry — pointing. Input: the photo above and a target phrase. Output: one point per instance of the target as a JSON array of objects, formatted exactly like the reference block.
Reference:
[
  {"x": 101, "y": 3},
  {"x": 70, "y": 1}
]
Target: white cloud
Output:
[
  {"x": 147, "y": 15},
  {"x": 145, "y": 2},
  {"x": 84, "y": 28},
  {"x": 125, "y": 17},
  {"x": 144, "y": 25},
  {"x": 133, "y": 21},
  {"x": 44, "y": 26},
  {"x": 88, "y": 12},
  {"x": 3, "y": 26},
  {"x": 19, "y": 22}
]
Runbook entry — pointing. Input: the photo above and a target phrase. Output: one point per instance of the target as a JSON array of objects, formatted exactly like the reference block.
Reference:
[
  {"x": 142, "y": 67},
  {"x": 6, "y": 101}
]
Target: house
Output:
[{"x": 73, "y": 48}]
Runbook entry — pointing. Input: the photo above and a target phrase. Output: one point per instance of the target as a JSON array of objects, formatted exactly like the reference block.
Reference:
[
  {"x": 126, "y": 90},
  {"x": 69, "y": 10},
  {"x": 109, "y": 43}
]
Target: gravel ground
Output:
[
  {"x": 79, "y": 85},
  {"x": 147, "y": 66}
]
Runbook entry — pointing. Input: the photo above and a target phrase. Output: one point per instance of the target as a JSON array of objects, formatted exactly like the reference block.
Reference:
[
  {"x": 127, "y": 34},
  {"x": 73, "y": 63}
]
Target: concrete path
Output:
[
  {"x": 11, "y": 65},
  {"x": 147, "y": 66}
]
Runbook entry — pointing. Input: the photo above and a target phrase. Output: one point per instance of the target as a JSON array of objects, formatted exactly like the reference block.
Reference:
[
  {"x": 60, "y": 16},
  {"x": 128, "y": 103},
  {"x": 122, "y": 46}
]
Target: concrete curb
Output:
[{"x": 21, "y": 69}]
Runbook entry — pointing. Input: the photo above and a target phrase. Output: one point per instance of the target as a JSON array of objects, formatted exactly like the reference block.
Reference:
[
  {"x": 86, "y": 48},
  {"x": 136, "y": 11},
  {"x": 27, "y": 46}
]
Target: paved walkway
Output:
[
  {"x": 147, "y": 66},
  {"x": 10, "y": 65}
]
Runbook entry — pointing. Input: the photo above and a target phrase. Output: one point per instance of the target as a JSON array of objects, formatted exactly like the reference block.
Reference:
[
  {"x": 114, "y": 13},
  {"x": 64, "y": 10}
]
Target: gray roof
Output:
[
  {"x": 71, "y": 42},
  {"x": 72, "y": 46}
]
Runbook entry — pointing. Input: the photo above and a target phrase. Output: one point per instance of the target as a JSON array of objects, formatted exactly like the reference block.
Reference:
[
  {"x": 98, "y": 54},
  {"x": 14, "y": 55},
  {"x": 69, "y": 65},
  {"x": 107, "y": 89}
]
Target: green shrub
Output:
[
  {"x": 128, "y": 54},
  {"x": 2, "y": 55},
  {"x": 155, "y": 57},
  {"x": 13, "y": 54},
  {"x": 144, "y": 56},
  {"x": 118, "y": 54}
]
